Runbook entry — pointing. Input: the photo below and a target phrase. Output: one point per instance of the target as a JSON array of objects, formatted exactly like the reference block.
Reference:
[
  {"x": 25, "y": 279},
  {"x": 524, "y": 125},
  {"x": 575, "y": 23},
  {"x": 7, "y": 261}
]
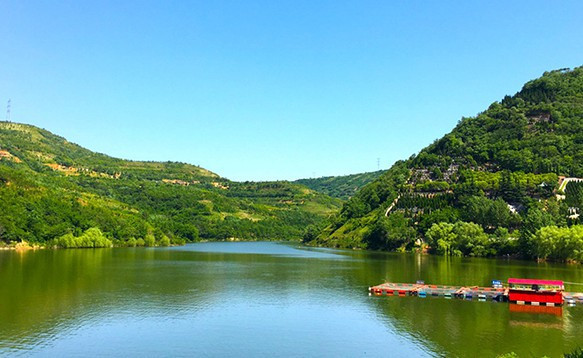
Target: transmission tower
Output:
[
  {"x": 8, "y": 111},
  {"x": 378, "y": 163}
]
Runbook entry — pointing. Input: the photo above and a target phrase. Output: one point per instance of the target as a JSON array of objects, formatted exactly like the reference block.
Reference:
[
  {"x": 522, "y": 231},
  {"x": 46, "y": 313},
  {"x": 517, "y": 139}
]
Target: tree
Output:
[
  {"x": 390, "y": 233},
  {"x": 535, "y": 219},
  {"x": 459, "y": 239},
  {"x": 310, "y": 234},
  {"x": 488, "y": 213},
  {"x": 354, "y": 208},
  {"x": 149, "y": 240},
  {"x": 470, "y": 239},
  {"x": 440, "y": 238},
  {"x": 559, "y": 244},
  {"x": 164, "y": 241},
  {"x": 446, "y": 214}
]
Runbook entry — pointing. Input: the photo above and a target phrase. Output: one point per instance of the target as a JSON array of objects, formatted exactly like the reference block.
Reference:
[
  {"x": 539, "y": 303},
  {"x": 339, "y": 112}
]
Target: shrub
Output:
[
  {"x": 149, "y": 240},
  {"x": 91, "y": 238},
  {"x": 164, "y": 241}
]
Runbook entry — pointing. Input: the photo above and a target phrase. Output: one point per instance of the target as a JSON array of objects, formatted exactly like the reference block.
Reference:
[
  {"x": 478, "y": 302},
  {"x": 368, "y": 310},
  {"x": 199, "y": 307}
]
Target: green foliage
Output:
[
  {"x": 574, "y": 194},
  {"x": 508, "y": 355},
  {"x": 390, "y": 233},
  {"x": 164, "y": 241},
  {"x": 534, "y": 220},
  {"x": 502, "y": 244},
  {"x": 432, "y": 186},
  {"x": 459, "y": 239},
  {"x": 341, "y": 187},
  {"x": 446, "y": 214},
  {"x": 577, "y": 353},
  {"x": 559, "y": 244},
  {"x": 149, "y": 240},
  {"x": 510, "y": 188},
  {"x": 50, "y": 187},
  {"x": 415, "y": 201},
  {"x": 177, "y": 241},
  {"x": 381, "y": 191},
  {"x": 311, "y": 233},
  {"x": 440, "y": 238},
  {"x": 498, "y": 170},
  {"x": 91, "y": 238},
  {"x": 490, "y": 214}
]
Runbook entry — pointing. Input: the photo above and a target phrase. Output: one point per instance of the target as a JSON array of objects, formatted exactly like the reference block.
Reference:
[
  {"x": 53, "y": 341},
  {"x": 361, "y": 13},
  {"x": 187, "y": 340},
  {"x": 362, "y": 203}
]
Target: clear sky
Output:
[{"x": 262, "y": 90}]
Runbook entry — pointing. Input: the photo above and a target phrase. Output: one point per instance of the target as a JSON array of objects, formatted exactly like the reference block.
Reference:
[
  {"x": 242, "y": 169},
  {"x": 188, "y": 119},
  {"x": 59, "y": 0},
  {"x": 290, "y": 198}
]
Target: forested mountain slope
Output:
[
  {"x": 50, "y": 187},
  {"x": 342, "y": 187},
  {"x": 487, "y": 187}
]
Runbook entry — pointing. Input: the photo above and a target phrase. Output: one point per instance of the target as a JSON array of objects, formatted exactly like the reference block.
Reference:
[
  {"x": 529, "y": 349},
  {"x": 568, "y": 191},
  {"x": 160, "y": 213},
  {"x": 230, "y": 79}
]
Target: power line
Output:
[{"x": 8, "y": 110}]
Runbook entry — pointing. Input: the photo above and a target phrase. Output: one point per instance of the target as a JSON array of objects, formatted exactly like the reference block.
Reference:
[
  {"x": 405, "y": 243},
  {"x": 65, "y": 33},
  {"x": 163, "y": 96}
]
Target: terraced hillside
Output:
[
  {"x": 489, "y": 187},
  {"x": 50, "y": 187}
]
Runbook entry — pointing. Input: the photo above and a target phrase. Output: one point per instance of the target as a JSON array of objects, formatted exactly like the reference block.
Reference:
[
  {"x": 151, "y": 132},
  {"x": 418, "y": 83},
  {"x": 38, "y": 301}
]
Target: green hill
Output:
[
  {"x": 50, "y": 187},
  {"x": 487, "y": 187},
  {"x": 342, "y": 187}
]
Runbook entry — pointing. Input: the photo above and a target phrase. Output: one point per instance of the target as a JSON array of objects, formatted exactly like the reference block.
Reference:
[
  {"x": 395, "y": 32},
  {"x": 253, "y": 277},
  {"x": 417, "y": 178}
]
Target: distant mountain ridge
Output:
[
  {"x": 342, "y": 186},
  {"x": 487, "y": 188},
  {"x": 50, "y": 187}
]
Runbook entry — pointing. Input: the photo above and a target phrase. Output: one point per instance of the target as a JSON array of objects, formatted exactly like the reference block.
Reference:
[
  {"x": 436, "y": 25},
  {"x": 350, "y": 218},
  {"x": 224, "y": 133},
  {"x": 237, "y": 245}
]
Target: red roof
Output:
[{"x": 527, "y": 281}]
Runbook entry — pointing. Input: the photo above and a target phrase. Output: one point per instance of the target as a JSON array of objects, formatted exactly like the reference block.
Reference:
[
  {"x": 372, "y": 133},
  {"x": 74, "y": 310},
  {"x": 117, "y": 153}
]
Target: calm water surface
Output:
[{"x": 265, "y": 299}]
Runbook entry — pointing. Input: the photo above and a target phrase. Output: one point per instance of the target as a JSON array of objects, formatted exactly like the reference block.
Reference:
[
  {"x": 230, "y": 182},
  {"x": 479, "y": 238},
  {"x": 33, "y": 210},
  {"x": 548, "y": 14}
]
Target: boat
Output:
[{"x": 536, "y": 292}]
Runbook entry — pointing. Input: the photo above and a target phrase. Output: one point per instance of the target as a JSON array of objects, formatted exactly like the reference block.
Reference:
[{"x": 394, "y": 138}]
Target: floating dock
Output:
[{"x": 499, "y": 294}]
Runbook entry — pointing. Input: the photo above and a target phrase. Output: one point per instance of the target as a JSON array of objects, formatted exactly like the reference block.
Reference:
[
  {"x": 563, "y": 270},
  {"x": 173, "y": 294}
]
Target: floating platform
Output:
[
  {"x": 572, "y": 298},
  {"x": 499, "y": 294}
]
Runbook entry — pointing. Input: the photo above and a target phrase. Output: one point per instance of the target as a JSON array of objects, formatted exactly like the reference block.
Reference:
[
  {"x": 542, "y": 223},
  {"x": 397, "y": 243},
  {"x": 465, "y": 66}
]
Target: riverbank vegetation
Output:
[
  {"x": 94, "y": 238},
  {"x": 91, "y": 238},
  {"x": 493, "y": 186}
]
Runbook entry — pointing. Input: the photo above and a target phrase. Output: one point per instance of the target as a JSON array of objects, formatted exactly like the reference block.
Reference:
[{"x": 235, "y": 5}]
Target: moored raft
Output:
[{"x": 519, "y": 291}]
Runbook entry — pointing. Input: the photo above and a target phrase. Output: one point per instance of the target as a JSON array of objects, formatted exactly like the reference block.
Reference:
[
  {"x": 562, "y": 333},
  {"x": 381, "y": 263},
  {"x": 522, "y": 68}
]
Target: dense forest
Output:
[
  {"x": 493, "y": 186},
  {"x": 53, "y": 191},
  {"x": 342, "y": 187}
]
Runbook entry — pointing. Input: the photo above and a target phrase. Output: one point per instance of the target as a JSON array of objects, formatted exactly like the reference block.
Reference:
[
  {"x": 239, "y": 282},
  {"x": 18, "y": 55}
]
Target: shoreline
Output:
[
  {"x": 25, "y": 246},
  {"x": 426, "y": 253}
]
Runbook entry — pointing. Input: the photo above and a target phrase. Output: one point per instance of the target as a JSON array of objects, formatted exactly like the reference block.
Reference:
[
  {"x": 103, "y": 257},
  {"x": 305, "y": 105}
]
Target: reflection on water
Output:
[
  {"x": 265, "y": 299},
  {"x": 555, "y": 311}
]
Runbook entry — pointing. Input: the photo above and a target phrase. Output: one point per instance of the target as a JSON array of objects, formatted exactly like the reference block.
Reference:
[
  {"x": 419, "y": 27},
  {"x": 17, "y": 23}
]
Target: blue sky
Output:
[{"x": 263, "y": 90}]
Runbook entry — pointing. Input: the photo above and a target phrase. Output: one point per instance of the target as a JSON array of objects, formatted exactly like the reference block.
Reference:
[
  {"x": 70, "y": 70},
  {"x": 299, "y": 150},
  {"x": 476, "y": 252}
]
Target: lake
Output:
[{"x": 266, "y": 299}]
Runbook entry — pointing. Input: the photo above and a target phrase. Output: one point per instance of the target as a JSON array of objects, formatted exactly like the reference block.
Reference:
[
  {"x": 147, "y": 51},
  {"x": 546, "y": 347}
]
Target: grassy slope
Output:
[{"x": 49, "y": 186}]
